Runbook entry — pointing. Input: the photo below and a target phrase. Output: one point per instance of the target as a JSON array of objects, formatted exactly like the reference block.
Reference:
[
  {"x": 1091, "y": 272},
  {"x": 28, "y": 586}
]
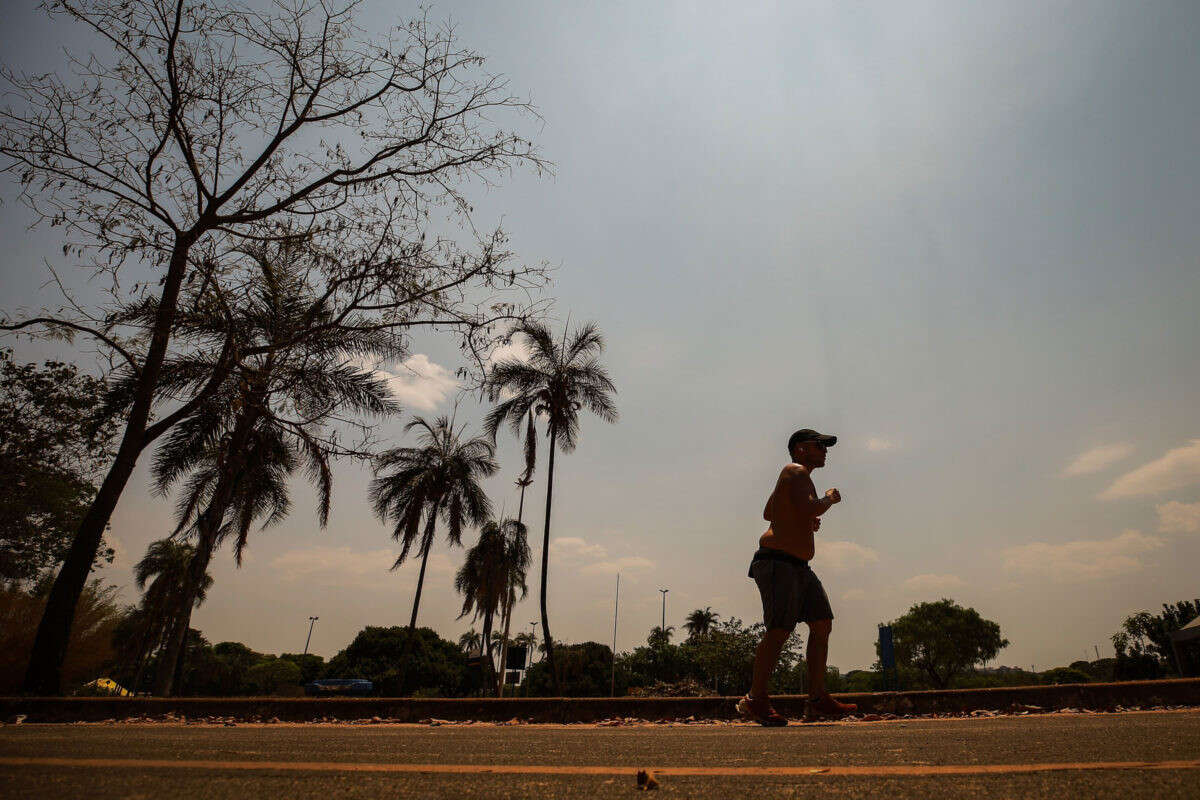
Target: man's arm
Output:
[{"x": 804, "y": 493}]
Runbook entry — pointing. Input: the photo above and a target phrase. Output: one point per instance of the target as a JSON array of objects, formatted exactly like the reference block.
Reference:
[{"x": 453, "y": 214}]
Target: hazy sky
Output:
[{"x": 962, "y": 237}]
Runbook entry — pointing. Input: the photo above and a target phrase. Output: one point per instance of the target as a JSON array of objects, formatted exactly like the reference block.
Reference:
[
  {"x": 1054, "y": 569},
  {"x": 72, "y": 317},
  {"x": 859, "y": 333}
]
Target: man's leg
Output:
[
  {"x": 818, "y": 653},
  {"x": 765, "y": 659},
  {"x": 820, "y": 703}
]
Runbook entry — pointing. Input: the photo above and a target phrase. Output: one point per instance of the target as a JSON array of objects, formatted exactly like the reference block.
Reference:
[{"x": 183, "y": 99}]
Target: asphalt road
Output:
[{"x": 1140, "y": 754}]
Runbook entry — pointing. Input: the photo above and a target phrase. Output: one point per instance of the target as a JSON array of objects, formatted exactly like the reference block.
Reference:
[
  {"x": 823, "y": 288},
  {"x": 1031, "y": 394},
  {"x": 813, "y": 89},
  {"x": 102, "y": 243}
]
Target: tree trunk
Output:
[
  {"x": 168, "y": 659},
  {"x": 504, "y": 647},
  {"x": 509, "y": 601},
  {"x": 549, "y": 643},
  {"x": 426, "y": 545},
  {"x": 208, "y": 527},
  {"x": 44, "y": 673},
  {"x": 488, "y": 665}
]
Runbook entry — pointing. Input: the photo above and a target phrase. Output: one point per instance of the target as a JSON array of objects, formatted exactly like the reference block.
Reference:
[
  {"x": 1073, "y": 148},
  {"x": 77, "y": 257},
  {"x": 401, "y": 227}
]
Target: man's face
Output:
[{"x": 811, "y": 454}]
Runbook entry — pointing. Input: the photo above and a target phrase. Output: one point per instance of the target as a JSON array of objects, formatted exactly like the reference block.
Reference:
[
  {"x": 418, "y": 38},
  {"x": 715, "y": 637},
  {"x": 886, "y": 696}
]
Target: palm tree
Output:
[
  {"x": 164, "y": 568},
  {"x": 234, "y": 452},
  {"x": 491, "y": 574},
  {"x": 439, "y": 477},
  {"x": 470, "y": 641},
  {"x": 517, "y": 558},
  {"x": 556, "y": 383},
  {"x": 700, "y": 622},
  {"x": 659, "y": 636}
]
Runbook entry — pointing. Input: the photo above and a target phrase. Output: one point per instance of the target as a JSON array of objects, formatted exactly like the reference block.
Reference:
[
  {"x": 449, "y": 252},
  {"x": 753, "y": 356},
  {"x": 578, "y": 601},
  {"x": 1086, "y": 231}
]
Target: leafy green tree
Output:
[
  {"x": 199, "y": 127},
  {"x": 942, "y": 639},
  {"x": 311, "y": 665},
  {"x": 700, "y": 622},
  {"x": 165, "y": 568},
  {"x": 234, "y": 453},
  {"x": 91, "y": 653},
  {"x": 1143, "y": 644},
  {"x": 273, "y": 676},
  {"x": 726, "y": 657},
  {"x": 659, "y": 636},
  {"x": 557, "y": 382},
  {"x": 54, "y": 445},
  {"x": 438, "y": 478},
  {"x": 470, "y": 642},
  {"x": 493, "y": 570},
  {"x": 517, "y": 558},
  {"x": 431, "y": 665},
  {"x": 1064, "y": 675},
  {"x": 586, "y": 671}
]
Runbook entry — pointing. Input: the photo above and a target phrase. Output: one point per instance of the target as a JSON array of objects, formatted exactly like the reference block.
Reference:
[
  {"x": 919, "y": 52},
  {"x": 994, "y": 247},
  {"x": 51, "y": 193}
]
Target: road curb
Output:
[{"x": 1081, "y": 696}]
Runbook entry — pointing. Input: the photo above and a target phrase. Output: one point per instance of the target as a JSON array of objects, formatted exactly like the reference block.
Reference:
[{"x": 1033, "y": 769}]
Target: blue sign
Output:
[{"x": 887, "y": 653}]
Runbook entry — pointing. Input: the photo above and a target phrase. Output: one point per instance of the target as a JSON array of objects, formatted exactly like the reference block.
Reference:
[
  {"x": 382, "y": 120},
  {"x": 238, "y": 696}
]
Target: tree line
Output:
[{"x": 262, "y": 195}]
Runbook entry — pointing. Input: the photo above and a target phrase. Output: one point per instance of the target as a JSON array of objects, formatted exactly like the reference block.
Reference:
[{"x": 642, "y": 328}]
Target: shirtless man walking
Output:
[{"x": 790, "y": 591}]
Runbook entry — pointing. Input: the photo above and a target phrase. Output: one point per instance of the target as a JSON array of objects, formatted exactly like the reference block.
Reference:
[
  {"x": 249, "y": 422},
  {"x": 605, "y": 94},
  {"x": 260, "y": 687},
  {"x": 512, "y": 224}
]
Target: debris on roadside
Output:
[{"x": 646, "y": 780}]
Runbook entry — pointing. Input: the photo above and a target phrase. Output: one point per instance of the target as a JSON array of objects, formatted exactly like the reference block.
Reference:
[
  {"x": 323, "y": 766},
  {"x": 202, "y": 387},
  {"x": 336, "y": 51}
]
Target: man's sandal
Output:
[
  {"x": 825, "y": 707},
  {"x": 758, "y": 709}
]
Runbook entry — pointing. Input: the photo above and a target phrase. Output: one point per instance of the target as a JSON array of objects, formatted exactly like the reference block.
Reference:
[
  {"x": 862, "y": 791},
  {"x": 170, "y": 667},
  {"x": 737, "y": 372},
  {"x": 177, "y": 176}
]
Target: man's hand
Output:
[
  {"x": 816, "y": 524},
  {"x": 833, "y": 496}
]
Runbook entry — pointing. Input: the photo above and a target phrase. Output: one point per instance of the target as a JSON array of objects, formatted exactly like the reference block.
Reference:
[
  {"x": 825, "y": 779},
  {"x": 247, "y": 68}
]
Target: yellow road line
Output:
[{"x": 556, "y": 769}]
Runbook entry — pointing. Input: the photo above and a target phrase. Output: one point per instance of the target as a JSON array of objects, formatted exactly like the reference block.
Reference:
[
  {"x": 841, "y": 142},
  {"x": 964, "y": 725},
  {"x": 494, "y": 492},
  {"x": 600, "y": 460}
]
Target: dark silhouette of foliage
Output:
[
  {"x": 191, "y": 129},
  {"x": 492, "y": 573},
  {"x": 700, "y": 622},
  {"x": 1143, "y": 644},
  {"x": 92, "y": 653},
  {"x": 440, "y": 477},
  {"x": 432, "y": 666},
  {"x": 942, "y": 639},
  {"x": 556, "y": 382},
  {"x": 54, "y": 446},
  {"x": 585, "y": 671}
]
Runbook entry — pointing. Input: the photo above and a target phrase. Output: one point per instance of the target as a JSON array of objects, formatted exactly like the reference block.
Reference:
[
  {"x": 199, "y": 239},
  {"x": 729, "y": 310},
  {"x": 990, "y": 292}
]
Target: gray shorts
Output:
[{"x": 791, "y": 592}]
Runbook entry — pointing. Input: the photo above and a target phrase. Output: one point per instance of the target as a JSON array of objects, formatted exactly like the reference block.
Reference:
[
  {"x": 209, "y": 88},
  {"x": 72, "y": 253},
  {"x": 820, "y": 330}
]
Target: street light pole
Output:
[
  {"x": 663, "y": 628},
  {"x": 532, "y": 640},
  {"x": 311, "y": 621},
  {"x": 612, "y": 686}
]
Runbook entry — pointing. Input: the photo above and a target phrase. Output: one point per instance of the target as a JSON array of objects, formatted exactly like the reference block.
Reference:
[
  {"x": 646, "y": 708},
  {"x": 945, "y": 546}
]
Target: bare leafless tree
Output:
[{"x": 200, "y": 126}]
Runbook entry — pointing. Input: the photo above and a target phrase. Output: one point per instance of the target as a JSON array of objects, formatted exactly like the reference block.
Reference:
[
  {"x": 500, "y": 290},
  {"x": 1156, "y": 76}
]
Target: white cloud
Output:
[
  {"x": 844, "y": 555},
  {"x": 593, "y": 559},
  {"x": 615, "y": 565},
  {"x": 323, "y": 563},
  {"x": 878, "y": 445},
  {"x": 933, "y": 584},
  {"x": 1176, "y": 517},
  {"x": 853, "y": 595},
  {"x": 516, "y": 350},
  {"x": 572, "y": 548},
  {"x": 1176, "y": 469},
  {"x": 416, "y": 382},
  {"x": 1083, "y": 560},
  {"x": 1097, "y": 459},
  {"x": 341, "y": 566}
]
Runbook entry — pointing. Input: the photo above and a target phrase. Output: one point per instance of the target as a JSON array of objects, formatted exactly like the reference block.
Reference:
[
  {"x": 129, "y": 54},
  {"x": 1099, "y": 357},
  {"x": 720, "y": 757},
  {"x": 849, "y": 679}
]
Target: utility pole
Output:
[
  {"x": 311, "y": 621},
  {"x": 612, "y": 686},
  {"x": 532, "y": 640},
  {"x": 664, "y": 614},
  {"x": 1097, "y": 648}
]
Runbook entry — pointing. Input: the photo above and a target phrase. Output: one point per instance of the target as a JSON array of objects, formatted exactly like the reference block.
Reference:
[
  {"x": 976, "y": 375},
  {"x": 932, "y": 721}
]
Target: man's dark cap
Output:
[{"x": 809, "y": 435}]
